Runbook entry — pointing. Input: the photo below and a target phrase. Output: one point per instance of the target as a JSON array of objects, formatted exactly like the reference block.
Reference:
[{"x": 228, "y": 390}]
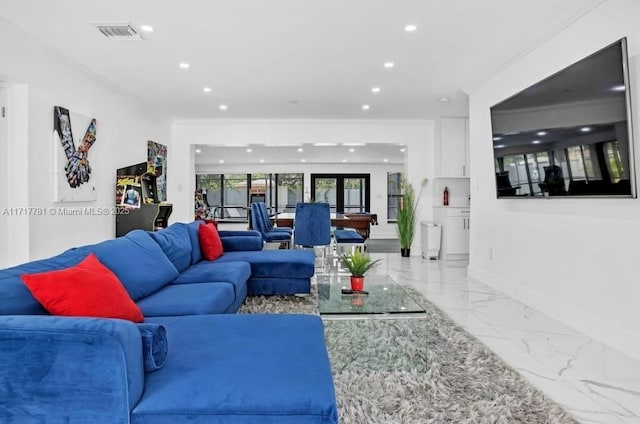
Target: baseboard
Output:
[{"x": 610, "y": 334}]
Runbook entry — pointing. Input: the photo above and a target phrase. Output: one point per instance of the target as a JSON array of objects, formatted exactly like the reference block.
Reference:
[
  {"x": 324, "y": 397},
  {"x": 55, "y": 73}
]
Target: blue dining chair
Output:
[
  {"x": 265, "y": 217},
  {"x": 312, "y": 226},
  {"x": 257, "y": 223}
]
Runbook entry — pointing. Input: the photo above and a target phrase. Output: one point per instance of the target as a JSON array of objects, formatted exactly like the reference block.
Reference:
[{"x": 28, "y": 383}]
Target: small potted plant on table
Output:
[{"x": 358, "y": 263}]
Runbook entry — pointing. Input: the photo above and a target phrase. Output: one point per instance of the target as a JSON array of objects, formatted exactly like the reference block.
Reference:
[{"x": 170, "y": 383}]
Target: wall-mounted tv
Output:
[{"x": 568, "y": 135}]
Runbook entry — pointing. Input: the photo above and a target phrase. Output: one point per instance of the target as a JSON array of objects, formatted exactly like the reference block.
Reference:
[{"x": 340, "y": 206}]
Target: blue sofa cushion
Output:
[
  {"x": 275, "y": 263},
  {"x": 137, "y": 260},
  {"x": 234, "y": 272},
  {"x": 69, "y": 369},
  {"x": 196, "y": 253},
  {"x": 188, "y": 299},
  {"x": 241, "y": 369},
  {"x": 235, "y": 240},
  {"x": 175, "y": 242},
  {"x": 154, "y": 346},
  {"x": 16, "y": 299}
]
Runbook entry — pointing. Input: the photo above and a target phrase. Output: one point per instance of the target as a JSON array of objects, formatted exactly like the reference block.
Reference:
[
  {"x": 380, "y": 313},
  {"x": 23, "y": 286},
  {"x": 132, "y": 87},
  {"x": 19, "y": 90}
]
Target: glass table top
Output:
[{"x": 385, "y": 297}]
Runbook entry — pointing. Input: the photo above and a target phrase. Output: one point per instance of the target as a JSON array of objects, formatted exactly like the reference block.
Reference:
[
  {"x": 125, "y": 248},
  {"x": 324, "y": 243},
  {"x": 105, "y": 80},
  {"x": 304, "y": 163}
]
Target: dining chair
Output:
[
  {"x": 265, "y": 218},
  {"x": 257, "y": 223},
  {"x": 312, "y": 227}
]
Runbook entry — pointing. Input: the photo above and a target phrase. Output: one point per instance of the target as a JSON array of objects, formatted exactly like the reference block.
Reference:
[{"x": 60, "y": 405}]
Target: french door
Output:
[{"x": 345, "y": 193}]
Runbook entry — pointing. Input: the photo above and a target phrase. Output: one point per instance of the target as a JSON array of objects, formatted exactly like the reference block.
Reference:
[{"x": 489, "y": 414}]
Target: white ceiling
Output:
[
  {"x": 297, "y": 58},
  {"x": 374, "y": 154}
]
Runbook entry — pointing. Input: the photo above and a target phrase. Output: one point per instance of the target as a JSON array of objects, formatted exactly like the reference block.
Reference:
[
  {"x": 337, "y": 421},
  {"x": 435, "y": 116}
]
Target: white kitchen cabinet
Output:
[
  {"x": 456, "y": 224},
  {"x": 457, "y": 235},
  {"x": 454, "y": 147}
]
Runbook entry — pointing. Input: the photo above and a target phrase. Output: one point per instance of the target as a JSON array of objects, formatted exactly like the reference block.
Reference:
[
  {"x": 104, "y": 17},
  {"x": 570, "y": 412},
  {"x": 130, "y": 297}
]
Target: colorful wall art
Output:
[
  {"x": 71, "y": 167},
  {"x": 157, "y": 165}
]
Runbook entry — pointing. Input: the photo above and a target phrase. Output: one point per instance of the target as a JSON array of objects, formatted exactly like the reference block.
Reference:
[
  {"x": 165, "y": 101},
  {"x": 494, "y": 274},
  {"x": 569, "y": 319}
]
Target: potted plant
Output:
[
  {"x": 406, "y": 218},
  {"x": 358, "y": 263}
]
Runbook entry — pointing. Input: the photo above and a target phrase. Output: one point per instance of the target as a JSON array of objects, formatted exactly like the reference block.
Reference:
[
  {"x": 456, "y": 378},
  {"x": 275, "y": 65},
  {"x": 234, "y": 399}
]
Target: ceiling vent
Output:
[{"x": 118, "y": 32}]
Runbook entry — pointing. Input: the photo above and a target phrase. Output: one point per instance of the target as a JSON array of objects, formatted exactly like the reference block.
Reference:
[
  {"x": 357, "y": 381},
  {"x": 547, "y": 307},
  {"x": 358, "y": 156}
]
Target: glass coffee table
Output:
[
  {"x": 383, "y": 330},
  {"x": 386, "y": 299}
]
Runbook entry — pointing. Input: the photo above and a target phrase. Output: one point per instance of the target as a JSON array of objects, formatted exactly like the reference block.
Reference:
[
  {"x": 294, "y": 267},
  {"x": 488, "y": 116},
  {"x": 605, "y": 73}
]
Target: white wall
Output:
[
  {"x": 4, "y": 177},
  {"x": 573, "y": 259},
  {"x": 41, "y": 78},
  {"x": 418, "y": 136}
]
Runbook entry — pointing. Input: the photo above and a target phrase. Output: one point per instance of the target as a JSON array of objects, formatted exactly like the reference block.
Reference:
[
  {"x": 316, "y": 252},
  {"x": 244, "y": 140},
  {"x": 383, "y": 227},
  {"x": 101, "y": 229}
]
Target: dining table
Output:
[{"x": 360, "y": 223}]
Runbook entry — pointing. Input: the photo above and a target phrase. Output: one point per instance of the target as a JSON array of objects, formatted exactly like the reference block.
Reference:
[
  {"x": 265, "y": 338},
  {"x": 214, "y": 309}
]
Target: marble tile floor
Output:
[{"x": 591, "y": 381}]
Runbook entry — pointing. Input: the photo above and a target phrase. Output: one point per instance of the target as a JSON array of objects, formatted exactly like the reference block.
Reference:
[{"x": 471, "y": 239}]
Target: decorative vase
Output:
[
  {"x": 357, "y": 283},
  {"x": 405, "y": 252}
]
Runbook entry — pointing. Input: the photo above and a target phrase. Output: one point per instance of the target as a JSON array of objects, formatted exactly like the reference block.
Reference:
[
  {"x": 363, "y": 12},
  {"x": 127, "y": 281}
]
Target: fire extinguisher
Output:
[{"x": 445, "y": 197}]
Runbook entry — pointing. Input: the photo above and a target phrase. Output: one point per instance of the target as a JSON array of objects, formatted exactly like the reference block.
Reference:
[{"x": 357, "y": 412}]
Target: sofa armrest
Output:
[
  {"x": 236, "y": 240},
  {"x": 67, "y": 369}
]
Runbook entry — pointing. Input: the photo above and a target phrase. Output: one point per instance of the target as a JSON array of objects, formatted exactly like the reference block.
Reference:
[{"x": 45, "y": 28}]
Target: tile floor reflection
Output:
[{"x": 594, "y": 383}]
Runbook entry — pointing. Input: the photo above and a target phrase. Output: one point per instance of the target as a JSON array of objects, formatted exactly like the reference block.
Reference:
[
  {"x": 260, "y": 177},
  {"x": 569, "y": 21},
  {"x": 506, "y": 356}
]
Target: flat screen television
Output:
[{"x": 568, "y": 135}]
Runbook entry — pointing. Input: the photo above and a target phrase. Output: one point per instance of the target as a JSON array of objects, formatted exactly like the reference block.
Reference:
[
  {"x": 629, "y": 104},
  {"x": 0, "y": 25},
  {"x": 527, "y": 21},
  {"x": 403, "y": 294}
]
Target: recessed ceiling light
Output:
[
  {"x": 261, "y": 160},
  {"x": 183, "y": 65},
  {"x": 375, "y": 90},
  {"x": 324, "y": 144},
  {"x": 303, "y": 160},
  {"x": 221, "y": 161},
  {"x": 541, "y": 133},
  {"x": 535, "y": 142},
  {"x": 619, "y": 88},
  {"x": 389, "y": 65},
  {"x": 585, "y": 129},
  {"x": 223, "y": 107},
  {"x": 403, "y": 150},
  {"x": 499, "y": 146},
  {"x": 385, "y": 160},
  {"x": 300, "y": 149},
  {"x": 497, "y": 138},
  {"x": 249, "y": 150},
  {"x": 351, "y": 150},
  {"x": 410, "y": 28},
  {"x": 198, "y": 150},
  {"x": 207, "y": 89},
  {"x": 366, "y": 107},
  {"x": 344, "y": 160},
  {"x": 444, "y": 99},
  {"x": 354, "y": 144},
  {"x": 146, "y": 28}
]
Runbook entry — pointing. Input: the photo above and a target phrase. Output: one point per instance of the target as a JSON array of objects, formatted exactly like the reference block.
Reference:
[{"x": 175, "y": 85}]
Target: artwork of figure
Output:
[
  {"x": 77, "y": 169},
  {"x": 157, "y": 165}
]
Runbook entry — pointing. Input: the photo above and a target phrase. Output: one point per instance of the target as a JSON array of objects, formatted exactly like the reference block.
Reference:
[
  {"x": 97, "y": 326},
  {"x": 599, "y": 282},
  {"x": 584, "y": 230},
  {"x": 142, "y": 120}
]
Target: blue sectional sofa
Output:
[{"x": 221, "y": 367}]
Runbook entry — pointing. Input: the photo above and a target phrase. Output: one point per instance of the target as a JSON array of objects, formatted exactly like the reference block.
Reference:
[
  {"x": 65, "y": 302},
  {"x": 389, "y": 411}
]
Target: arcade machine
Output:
[{"x": 137, "y": 202}]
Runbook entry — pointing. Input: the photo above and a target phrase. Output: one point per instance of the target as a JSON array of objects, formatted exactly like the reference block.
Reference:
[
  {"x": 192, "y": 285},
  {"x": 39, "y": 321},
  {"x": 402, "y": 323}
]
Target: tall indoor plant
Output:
[{"x": 406, "y": 219}]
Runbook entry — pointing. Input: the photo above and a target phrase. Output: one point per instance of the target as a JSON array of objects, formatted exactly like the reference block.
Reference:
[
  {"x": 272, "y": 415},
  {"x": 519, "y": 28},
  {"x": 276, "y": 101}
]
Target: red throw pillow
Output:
[
  {"x": 210, "y": 242},
  {"x": 88, "y": 289}
]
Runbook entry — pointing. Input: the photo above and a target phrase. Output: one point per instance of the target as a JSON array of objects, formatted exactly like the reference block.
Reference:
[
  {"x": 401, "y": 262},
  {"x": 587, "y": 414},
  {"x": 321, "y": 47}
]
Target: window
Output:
[
  {"x": 229, "y": 195},
  {"x": 353, "y": 193},
  {"x": 211, "y": 185},
  {"x": 234, "y": 197},
  {"x": 394, "y": 194},
  {"x": 290, "y": 190},
  {"x": 615, "y": 164},
  {"x": 345, "y": 193}
]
